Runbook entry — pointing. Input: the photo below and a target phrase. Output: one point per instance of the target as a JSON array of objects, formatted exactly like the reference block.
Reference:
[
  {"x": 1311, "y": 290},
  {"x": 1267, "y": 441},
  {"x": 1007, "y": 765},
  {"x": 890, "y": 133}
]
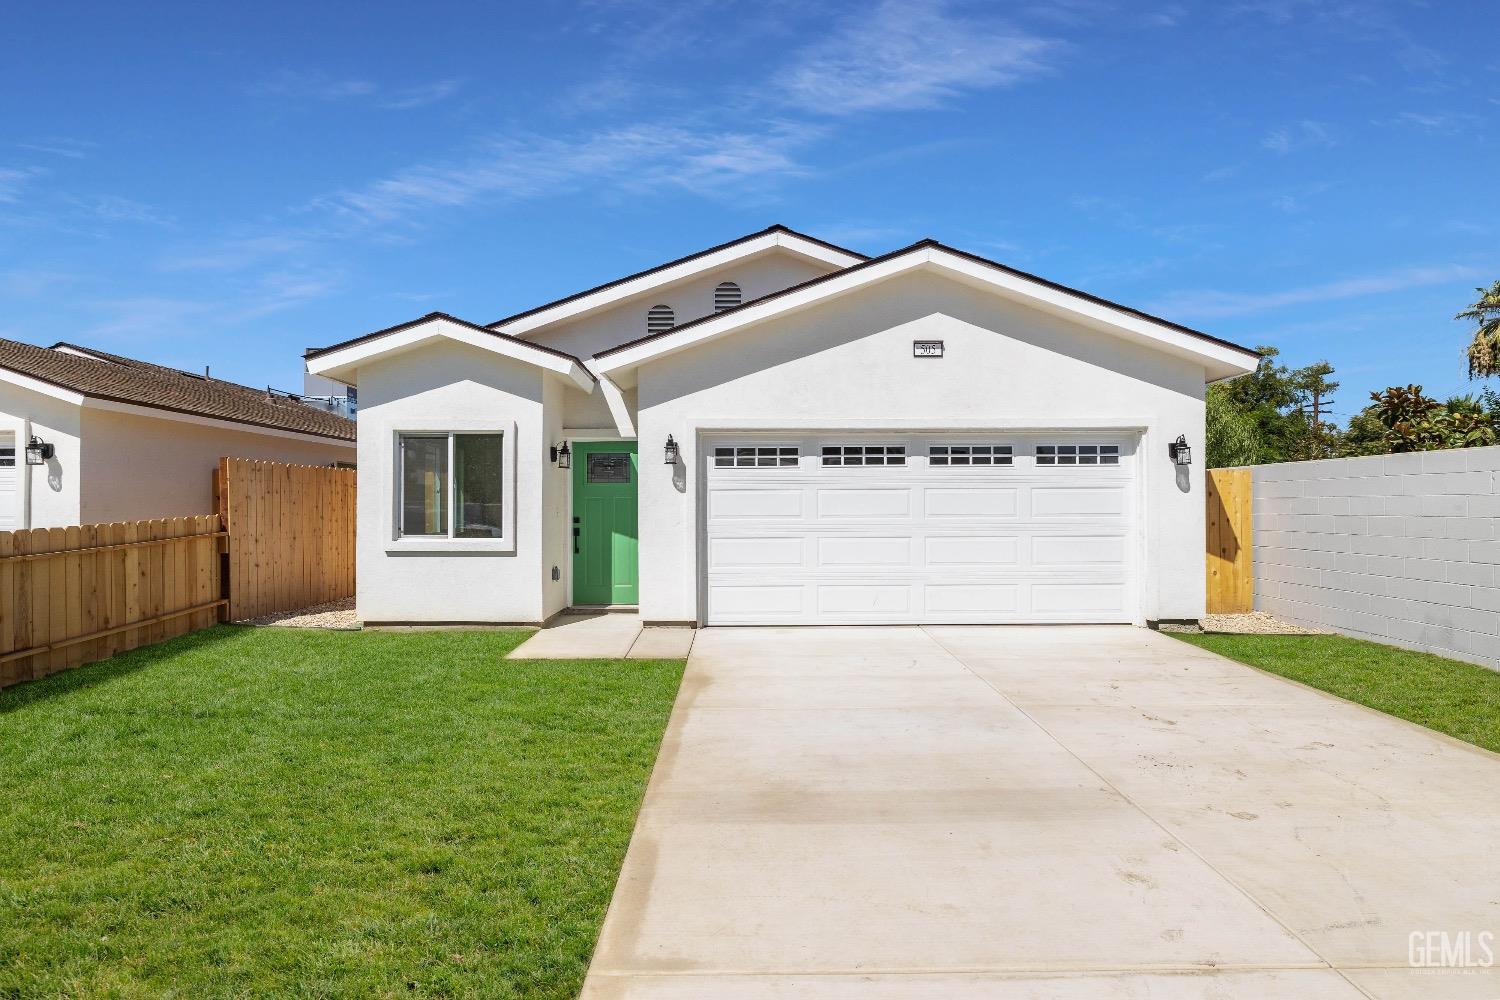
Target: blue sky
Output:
[{"x": 228, "y": 184}]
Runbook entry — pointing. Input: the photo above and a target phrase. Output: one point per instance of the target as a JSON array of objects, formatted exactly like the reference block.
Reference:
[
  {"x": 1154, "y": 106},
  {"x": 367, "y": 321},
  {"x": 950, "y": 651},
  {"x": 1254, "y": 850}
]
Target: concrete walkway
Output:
[
  {"x": 1072, "y": 813},
  {"x": 603, "y": 636}
]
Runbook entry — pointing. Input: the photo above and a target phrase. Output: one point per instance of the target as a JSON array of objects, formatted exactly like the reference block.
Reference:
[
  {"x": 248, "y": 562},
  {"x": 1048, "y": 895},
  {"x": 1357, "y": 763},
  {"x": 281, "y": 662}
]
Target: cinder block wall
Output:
[{"x": 1401, "y": 549}]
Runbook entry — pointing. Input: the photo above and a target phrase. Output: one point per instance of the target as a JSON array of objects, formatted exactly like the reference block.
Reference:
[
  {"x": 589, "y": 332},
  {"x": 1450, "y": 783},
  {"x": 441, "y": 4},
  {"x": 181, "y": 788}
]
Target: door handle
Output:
[{"x": 576, "y": 532}]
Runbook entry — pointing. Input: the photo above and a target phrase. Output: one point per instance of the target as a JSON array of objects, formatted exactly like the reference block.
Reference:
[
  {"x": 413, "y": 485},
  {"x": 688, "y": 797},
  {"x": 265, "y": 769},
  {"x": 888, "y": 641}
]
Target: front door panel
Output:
[{"x": 604, "y": 523}]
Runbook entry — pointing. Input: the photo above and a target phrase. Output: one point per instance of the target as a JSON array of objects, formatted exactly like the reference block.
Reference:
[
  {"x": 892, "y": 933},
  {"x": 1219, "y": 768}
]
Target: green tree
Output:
[
  {"x": 1484, "y": 350},
  {"x": 1231, "y": 436}
]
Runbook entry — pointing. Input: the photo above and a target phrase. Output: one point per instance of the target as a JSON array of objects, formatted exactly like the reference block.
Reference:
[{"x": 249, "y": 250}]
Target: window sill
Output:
[{"x": 420, "y": 544}]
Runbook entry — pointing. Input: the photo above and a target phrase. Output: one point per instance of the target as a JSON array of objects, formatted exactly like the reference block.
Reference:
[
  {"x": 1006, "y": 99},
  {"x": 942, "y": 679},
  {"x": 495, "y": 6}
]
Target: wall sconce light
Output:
[
  {"x": 671, "y": 451},
  {"x": 562, "y": 456},
  {"x": 1180, "y": 452},
  {"x": 38, "y": 451}
]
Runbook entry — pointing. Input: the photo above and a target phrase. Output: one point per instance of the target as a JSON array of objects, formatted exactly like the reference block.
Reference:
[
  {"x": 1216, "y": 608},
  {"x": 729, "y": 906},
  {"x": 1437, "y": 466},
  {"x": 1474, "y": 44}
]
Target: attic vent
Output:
[
  {"x": 726, "y": 296},
  {"x": 660, "y": 319}
]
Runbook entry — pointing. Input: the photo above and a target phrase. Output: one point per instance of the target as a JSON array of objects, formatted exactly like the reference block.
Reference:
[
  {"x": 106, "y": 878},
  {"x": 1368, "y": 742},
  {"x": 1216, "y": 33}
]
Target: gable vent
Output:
[
  {"x": 660, "y": 319},
  {"x": 726, "y": 296}
]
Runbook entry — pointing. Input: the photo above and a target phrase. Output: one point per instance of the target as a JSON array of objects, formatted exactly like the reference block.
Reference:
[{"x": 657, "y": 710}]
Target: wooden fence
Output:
[
  {"x": 70, "y": 596},
  {"x": 291, "y": 535},
  {"x": 1231, "y": 573}
]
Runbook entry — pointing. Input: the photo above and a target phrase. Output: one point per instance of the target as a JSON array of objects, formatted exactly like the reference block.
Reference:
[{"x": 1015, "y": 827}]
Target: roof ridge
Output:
[
  {"x": 927, "y": 242},
  {"x": 775, "y": 227}
]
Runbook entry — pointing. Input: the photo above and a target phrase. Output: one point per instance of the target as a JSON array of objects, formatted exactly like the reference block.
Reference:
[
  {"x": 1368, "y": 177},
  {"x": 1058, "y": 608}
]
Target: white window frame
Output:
[{"x": 397, "y": 542}]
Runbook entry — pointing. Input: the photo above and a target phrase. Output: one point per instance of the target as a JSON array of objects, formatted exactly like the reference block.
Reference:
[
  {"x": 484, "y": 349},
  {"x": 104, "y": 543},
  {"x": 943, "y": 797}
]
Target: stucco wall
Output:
[
  {"x": 849, "y": 362},
  {"x": 451, "y": 386},
  {"x": 1401, "y": 549},
  {"x": 136, "y": 467},
  {"x": 54, "y": 487}
]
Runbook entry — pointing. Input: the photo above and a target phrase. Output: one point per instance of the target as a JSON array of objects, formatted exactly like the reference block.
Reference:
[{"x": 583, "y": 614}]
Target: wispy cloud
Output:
[
  {"x": 905, "y": 55},
  {"x": 1305, "y": 134},
  {"x": 1214, "y": 304},
  {"x": 112, "y": 208},
  {"x": 291, "y": 85},
  {"x": 629, "y": 158},
  {"x": 420, "y": 97},
  {"x": 14, "y": 179},
  {"x": 1444, "y": 122},
  {"x": 73, "y": 149}
]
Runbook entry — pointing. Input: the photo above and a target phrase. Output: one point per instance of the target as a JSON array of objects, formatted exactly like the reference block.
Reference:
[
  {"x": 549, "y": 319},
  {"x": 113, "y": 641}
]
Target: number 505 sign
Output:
[{"x": 926, "y": 348}]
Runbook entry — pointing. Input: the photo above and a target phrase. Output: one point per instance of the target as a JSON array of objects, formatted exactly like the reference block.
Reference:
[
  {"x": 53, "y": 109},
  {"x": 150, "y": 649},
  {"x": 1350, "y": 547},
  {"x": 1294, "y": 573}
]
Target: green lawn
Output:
[
  {"x": 253, "y": 812},
  {"x": 1459, "y": 699}
]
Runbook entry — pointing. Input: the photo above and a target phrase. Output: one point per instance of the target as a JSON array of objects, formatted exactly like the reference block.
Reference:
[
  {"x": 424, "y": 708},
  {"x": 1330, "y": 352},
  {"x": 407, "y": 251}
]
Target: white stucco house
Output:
[
  {"x": 777, "y": 430},
  {"x": 119, "y": 439}
]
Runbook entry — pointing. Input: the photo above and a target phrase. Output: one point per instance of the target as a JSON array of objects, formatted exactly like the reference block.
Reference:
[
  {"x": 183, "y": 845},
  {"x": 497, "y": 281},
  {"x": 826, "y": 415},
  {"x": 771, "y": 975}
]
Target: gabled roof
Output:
[
  {"x": 341, "y": 361},
  {"x": 1224, "y": 358},
  {"x": 676, "y": 270},
  {"x": 94, "y": 374}
]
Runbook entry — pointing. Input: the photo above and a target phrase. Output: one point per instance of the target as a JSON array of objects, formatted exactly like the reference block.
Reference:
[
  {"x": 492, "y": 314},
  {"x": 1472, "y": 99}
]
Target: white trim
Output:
[
  {"x": 594, "y": 434},
  {"x": 619, "y": 408},
  {"x": 606, "y": 297},
  {"x": 342, "y": 364},
  {"x": 395, "y": 542},
  {"x": 1219, "y": 360},
  {"x": 141, "y": 410},
  {"x": 39, "y": 386}
]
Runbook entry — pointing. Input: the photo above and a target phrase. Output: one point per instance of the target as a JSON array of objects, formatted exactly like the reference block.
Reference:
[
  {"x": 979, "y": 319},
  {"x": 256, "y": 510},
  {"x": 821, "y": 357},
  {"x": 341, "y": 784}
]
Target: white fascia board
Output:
[
  {"x": 156, "y": 413},
  {"x": 343, "y": 364},
  {"x": 606, "y": 297},
  {"x": 1220, "y": 361},
  {"x": 45, "y": 388}
]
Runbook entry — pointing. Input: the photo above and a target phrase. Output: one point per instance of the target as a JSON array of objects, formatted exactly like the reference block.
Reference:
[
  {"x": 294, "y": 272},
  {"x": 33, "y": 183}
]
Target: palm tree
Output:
[{"x": 1484, "y": 352}]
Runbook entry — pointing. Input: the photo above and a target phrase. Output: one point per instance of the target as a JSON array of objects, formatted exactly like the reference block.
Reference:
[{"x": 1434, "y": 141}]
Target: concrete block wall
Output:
[{"x": 1400, "y": 549}]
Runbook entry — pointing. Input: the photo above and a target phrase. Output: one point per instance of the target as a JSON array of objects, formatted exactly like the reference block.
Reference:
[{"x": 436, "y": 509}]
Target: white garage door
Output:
[
  {"x": 10, "y": 480},
  {"x": 909, "y": 528}
]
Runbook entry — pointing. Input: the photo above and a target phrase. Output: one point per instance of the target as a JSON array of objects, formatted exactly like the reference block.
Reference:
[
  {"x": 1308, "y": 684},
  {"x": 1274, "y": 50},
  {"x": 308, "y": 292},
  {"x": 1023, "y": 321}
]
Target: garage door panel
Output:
[
  {"x": 972, "y": 502},
  {"x": 754, "y": 553},
  {"x": 984, "y": 550},
  {"x": 865, "y": 503},
  {"x": 1078, "y": 501},
  {"x": 862, "y": 550},
  {"x": 735, "y": 503},
  {"x": 811, "y": 544}
]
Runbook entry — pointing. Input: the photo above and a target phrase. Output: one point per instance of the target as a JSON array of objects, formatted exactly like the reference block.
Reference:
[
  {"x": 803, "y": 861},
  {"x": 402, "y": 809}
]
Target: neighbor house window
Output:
[
  {"x": 1077, "y": 454},
  {"x": 726, "y": 296},
  {"x": 755, "y": 457},
  {"x": 452, "y": 485},
  {"x": 660, "y": 319},
  {"x": 969, "y": 454},
  {"x": 864, "y": 454}
]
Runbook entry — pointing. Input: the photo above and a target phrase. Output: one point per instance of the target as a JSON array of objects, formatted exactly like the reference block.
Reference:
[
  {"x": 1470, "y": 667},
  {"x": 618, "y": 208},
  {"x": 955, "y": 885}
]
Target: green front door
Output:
[{"x": 604, "y": 534}]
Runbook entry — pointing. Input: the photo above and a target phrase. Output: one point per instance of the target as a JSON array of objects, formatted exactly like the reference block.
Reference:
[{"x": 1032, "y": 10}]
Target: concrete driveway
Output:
[{"x": 1042, "y": 813}]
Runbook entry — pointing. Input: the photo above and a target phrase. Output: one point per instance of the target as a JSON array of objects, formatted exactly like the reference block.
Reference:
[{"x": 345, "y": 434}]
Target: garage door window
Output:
[
  {"x": 864, "y": 454},
  {"x": 1077, "y": 454},
  {"x": 755, "y": 457},
  {"x": 969, "y": 454},
  {"x": 7, "y": 456}
]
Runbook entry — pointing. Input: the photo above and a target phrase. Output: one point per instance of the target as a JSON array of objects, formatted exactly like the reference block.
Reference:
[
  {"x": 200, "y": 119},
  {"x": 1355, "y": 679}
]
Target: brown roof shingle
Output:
[{"x": 126, "y": 380}]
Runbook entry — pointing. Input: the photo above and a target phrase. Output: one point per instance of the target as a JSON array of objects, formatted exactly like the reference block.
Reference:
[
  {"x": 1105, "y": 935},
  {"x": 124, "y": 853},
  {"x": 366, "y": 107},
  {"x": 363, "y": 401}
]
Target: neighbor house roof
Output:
[
  {"x": 101, "y": 375},
  {"x": 924, "y": 252}
]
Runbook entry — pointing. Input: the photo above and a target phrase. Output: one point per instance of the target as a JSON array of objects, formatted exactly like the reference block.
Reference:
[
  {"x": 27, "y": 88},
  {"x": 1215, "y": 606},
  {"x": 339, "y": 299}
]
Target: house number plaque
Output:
[{"x": 927, "y": 348}]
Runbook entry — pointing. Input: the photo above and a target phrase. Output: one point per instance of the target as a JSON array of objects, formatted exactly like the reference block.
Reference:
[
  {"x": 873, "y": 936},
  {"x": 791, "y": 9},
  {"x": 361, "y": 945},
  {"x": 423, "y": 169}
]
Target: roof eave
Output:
[{"x": 1221, "y": 359}]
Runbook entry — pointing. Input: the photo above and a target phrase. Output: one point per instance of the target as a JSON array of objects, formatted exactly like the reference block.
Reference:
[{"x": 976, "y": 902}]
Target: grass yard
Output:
[
  {"x": 1459, "y": 699},
  {"x": 253, "y": 812}
]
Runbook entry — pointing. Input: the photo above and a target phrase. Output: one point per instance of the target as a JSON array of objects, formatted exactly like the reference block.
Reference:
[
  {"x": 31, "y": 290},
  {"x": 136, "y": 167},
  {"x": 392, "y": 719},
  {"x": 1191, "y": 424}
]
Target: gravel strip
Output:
[
  {"x": 335, "y": 614},
  {"x": 1254, "y": 623}
]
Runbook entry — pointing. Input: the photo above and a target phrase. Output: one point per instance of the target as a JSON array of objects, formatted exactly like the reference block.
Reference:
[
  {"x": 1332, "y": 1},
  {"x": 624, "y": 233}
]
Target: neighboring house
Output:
[
  {"x": 780, "y": 431},
  {"x": 129, "y": 440}
]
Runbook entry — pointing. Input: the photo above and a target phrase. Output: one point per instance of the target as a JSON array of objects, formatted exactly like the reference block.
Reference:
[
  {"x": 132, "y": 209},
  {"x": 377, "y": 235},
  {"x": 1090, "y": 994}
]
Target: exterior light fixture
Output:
[
  {"x": 671, "y": 451},
  {"x": 562, "y": 456},
  {"x": 38, "y": 451},
  {"x": 1180, "y": 452}
]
